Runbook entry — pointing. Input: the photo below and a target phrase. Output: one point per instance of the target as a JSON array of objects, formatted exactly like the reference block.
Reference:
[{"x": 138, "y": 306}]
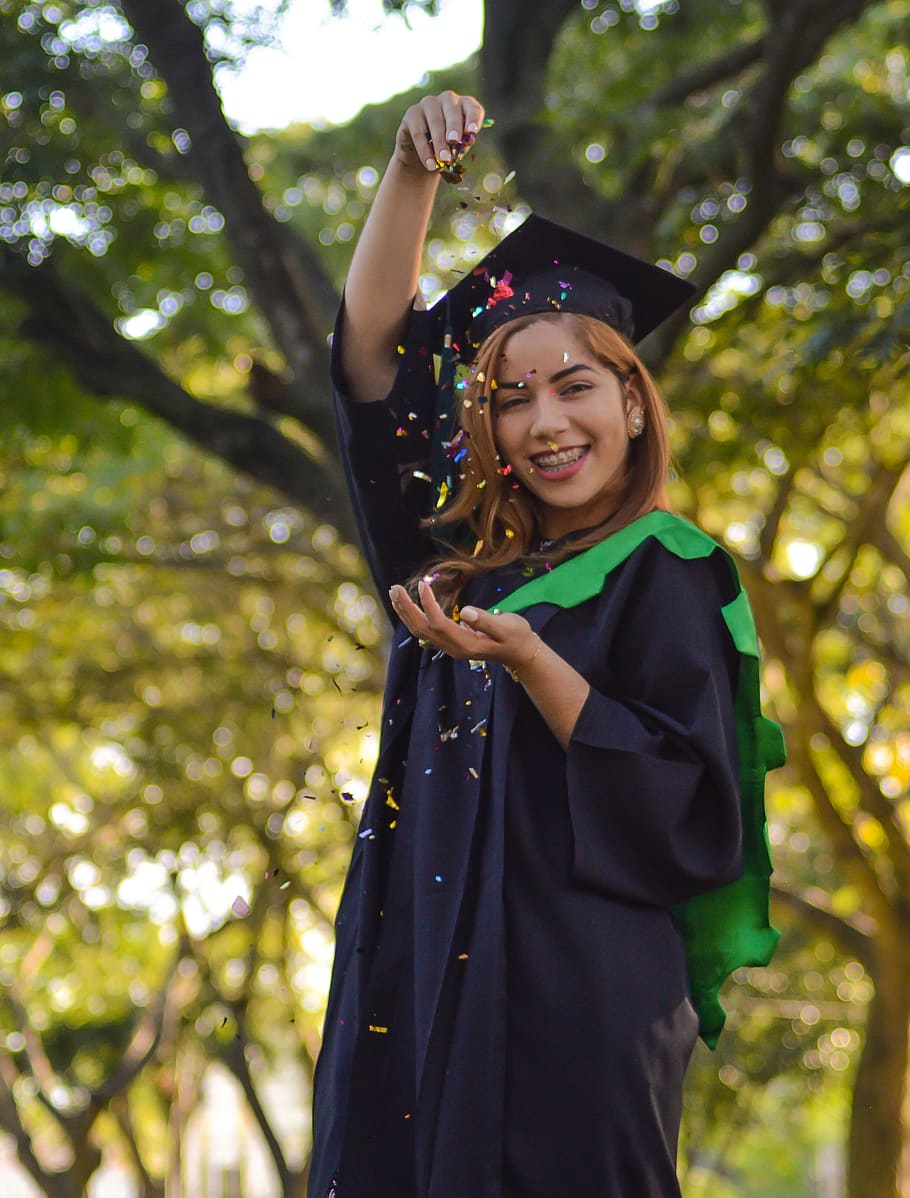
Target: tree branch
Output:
[
  {"x": 852, "y": 934},
  {"x": 234, "y": 1057},
  {"x": 121, "y": 1112},
  {"x": 53, "y": 1184},
  {"x": 752, "y": 136},
  {"x": 107, "y": 365},
  {"x": 871, "y": 798},
  {"x": 291, "y": 289},
  {"x": 849, "y": 854},
  {"x": 731, "y": 62},
  {"x": 863, "y": 529}
]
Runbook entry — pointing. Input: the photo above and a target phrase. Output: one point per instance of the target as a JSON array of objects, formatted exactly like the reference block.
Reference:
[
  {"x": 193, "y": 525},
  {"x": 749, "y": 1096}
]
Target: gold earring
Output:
[{"x": 636, "y": 422}]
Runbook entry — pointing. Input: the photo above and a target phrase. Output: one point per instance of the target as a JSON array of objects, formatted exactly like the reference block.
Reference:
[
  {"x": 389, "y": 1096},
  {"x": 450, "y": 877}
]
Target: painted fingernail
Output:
[
  {"x": 421, "y": 586},
  {"x": 445, "y": 155},
  {"x": 469, "y": 614},
  {"x": 472, "y": 126},
  {"x": 453, "y": 135},
  {"x": 430, "y": 164}
]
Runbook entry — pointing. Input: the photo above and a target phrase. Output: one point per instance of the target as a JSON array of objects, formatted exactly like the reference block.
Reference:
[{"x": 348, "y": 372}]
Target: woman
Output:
[{"x": 562, "y": 853}]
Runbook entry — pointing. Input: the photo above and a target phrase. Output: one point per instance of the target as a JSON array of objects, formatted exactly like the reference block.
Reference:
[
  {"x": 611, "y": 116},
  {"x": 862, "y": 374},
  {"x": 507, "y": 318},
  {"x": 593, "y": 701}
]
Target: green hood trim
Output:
[{"x": 727, "y": 928}]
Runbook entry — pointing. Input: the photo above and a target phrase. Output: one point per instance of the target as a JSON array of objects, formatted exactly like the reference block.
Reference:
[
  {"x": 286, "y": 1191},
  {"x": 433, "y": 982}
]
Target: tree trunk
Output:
[{"x": 876, "y": 1129}]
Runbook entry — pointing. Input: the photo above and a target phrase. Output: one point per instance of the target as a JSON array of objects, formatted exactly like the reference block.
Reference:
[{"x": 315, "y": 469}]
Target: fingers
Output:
[
  {"x": 431, "y": 623},
  {"x": 439, "y": 127}
]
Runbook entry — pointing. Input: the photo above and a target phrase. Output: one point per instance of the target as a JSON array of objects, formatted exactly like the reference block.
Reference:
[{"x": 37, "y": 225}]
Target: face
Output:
[{"x": 560, "y": 423}]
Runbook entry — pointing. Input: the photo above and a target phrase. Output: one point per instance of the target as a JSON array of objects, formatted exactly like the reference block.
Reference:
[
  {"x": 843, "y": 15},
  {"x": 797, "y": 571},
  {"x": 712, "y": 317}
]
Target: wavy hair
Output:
[{"x": 492, "y": 504}]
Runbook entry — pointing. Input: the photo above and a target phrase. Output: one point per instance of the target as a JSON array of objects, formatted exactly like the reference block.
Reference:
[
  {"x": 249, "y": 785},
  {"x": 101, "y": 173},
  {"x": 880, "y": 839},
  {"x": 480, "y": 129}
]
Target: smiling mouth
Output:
[{"x": 558, "y": 461}]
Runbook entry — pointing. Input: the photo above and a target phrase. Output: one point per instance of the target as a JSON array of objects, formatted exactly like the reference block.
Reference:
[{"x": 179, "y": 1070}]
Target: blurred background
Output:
[{"x": 191, "y": 655}]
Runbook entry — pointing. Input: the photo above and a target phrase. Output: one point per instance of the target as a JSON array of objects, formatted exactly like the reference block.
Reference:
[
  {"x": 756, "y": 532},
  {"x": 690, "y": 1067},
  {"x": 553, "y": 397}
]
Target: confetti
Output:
[
  {"x": 240, "y": 907},
  {"x": 438, "y": 877},
  {"x": 366, "y": 832},
  {"x": 376, "y": 1028}
]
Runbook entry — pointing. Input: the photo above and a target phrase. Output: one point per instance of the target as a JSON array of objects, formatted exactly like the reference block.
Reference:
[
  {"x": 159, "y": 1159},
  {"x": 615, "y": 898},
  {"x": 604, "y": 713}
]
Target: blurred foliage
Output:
[
  {"x": 189, "y": 718},
  {"x": 192, "y": 666}
]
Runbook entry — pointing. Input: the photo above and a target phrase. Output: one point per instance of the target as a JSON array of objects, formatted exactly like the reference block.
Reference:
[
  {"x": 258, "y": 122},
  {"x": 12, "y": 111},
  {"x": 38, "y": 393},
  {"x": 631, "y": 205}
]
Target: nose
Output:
[{"x": 549, "y": 416}]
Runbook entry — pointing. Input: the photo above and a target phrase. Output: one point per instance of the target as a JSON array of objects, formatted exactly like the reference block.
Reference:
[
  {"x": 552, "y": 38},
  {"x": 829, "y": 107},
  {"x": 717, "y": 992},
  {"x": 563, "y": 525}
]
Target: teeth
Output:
[{"x": 550, "y": 461}]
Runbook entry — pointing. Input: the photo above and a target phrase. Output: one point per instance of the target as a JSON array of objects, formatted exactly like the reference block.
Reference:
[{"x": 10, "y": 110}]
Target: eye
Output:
[
  {"x": 505, "y": 404},
  {"x": 576, "y": 389}
]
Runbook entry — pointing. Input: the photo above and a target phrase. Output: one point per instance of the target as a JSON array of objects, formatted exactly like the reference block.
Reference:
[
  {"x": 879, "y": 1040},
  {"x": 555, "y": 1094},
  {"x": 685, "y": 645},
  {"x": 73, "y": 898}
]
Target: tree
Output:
[
  {"x": 771, "y": 173},
  {"x": 187, "y": 725}
]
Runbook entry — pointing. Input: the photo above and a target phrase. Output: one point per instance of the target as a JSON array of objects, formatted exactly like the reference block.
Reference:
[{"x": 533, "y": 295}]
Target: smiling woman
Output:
[{"x": 563, "y": 851}]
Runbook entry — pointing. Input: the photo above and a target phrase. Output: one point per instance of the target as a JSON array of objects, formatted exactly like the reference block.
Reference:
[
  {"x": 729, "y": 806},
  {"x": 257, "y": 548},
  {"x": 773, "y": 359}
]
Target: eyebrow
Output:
[{"x": 557, "y": 377}]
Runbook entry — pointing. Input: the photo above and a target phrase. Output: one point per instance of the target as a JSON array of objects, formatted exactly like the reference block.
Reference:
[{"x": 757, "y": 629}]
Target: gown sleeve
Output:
[
  {"x": 652, "y": 766},
  {"x": 382, "y": 444}
]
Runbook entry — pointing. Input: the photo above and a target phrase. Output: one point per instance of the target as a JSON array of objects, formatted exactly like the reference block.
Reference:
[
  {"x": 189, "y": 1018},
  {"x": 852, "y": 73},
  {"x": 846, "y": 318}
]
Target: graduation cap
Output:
[{"x": 543, "y": 267}]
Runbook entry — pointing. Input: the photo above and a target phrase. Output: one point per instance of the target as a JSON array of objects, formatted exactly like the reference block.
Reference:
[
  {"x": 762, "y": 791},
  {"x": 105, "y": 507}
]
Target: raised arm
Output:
[{"x": 382, "y": 280}]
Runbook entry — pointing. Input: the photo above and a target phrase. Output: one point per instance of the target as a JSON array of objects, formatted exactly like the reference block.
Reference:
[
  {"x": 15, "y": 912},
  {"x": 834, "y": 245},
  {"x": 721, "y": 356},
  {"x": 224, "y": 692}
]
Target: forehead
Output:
[{"x": 553, "y": 339}]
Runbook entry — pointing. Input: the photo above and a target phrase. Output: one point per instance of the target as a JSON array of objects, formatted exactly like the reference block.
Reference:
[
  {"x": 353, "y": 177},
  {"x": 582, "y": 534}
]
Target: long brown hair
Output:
[{"x": 493, "y": 505}]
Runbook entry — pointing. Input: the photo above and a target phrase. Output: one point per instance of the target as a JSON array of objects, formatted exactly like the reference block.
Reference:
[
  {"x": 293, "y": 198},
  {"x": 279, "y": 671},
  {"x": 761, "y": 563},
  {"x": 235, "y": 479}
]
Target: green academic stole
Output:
[{"x": 729, "y": 927}]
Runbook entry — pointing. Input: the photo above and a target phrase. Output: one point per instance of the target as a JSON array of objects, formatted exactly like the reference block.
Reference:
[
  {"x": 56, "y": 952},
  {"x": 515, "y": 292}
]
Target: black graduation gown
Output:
[{"x": 509, "y": 1013}]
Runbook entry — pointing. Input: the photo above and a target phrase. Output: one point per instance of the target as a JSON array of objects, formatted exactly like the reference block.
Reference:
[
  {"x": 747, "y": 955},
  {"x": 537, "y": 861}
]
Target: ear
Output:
[{"x": 633, "y": 396}]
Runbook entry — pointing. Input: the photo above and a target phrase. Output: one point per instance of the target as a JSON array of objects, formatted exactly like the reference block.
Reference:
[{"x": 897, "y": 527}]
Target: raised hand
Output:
[{"x": 436, "y": 131}]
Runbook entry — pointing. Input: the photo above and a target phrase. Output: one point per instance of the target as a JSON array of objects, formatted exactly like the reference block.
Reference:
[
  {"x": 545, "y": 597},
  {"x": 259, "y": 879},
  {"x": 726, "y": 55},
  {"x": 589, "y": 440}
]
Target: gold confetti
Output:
[
  {"x": 477, "y": 548},
  {"x": 381, "y": 1030},
  {"x": 443, "y": 493}
]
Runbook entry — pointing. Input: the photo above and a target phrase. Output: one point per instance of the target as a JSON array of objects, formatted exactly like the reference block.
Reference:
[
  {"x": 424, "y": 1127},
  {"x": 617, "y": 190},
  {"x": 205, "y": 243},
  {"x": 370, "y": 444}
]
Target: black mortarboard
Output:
[{"x": 544, "y": 267}]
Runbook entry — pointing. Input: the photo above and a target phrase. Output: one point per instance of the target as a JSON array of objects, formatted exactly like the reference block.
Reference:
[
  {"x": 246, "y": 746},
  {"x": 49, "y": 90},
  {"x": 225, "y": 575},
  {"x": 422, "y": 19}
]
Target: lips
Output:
[{"x": 559, "y": 459}]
